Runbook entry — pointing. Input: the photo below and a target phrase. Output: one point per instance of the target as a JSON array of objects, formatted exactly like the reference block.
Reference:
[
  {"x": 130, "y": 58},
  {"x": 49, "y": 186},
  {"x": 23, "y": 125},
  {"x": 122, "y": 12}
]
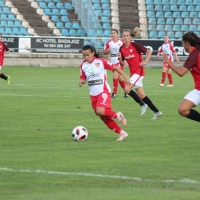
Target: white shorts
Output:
[
  {"x": 0, "y": 68},
  {"x": 193, "y": 96},
  {"x": 136, "y": 80}
]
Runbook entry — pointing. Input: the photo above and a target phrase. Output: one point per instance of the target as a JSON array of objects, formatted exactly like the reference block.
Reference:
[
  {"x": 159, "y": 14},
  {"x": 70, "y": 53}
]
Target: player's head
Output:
[
  {"x": 127, "y": 34},
  {"x": 166, "y": 39},
  {"x": 114, "y": 33},
  {"x": 89, "y": 52},
  {"x": 190, "y": 39}
]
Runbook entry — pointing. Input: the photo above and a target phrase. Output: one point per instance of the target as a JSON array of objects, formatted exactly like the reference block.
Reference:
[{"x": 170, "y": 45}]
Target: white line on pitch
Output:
[{"x": 100, "y": 176}]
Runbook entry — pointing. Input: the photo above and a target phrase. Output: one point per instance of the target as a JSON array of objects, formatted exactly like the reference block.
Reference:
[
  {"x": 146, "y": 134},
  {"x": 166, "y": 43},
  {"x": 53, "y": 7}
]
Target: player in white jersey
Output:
[
  {"x": 112, "y": 47},
  {"x": 168, "y": 49},
  {"x": 93, "y": 70}
]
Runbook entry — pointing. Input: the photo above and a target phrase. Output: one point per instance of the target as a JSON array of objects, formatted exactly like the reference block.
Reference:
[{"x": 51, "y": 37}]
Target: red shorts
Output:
[
  {"x": 166, "y": 65},
  {"x": 101, "y": 100}
]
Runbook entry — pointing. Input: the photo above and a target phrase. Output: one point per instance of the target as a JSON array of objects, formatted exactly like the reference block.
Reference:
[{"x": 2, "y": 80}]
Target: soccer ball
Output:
[{"x": 79, "y": 133}]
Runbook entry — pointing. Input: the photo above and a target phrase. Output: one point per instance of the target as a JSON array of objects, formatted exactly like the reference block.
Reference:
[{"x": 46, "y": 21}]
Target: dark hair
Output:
[
  {"x": 92, "y": 49},
  {"x": 192, "y": 39},
  {"x": 115, "y": 30}
]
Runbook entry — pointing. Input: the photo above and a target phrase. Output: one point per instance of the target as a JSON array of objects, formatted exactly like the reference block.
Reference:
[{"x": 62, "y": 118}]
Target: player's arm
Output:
[
  {"x": 181, "y": 71},
  {"x": 126, "y": 79},
  {"x": 82, "y": 80},
  {"x": 176, "y": 57},
  {"x": 121, "y": 59},
  {"x": 149, "y": 52}
]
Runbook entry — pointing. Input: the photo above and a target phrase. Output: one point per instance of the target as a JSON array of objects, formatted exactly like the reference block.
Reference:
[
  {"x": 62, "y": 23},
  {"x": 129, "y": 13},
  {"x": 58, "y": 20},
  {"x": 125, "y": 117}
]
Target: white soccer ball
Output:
[{"x": 79, "y": 133}]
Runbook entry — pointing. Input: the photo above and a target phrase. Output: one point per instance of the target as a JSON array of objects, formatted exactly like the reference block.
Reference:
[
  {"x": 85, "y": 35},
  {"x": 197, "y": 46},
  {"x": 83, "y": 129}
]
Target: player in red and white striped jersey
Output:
[
  {"x": 93, "y": 70},
  {"x": 112, "y": 46},
  {"x": 191, "y": 44},
  {"x": 167, "y": 48}
]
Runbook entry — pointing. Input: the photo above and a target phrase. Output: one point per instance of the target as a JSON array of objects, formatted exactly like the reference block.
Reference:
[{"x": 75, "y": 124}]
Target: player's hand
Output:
[
  {"x": 143, "y": 63},
  {"x": 119, "y": 55},
  {"x": 165, "y": 58},
  {"x": 81, "y": 83},
  {"x": 127, "y": 81}
]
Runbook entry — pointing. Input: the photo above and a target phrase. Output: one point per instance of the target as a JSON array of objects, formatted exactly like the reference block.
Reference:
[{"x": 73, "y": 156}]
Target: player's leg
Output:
[
  {"x": 115, "y": 84},
  {"x": 164, "y": 73},
  {"x": 190, "y": 101},
  {"x": 122, "y": 84},
  {"x": 3, "y": 76},
  {"x": 169, "y": 74}
]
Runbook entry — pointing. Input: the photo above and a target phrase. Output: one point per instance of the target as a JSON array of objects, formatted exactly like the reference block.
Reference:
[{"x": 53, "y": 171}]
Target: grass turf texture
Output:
[{"x": 42, "y": 106}]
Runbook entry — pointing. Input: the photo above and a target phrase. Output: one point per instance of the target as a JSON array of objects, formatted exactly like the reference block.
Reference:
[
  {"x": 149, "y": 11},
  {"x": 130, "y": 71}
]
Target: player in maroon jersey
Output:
[
  {"x": 3, "y": 49},
  {"x": 132, "y": 53},
  {"x": 191, "y": 44},
  {"x": 112, "y": 46},
  {"x": 93, "y": 70}
]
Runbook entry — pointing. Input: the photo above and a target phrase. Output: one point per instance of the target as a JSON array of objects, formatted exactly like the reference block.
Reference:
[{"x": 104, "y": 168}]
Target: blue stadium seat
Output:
[
  {"x": 2, "y": 4},
  {"x": 196, "y": 21},
  {"x": 190, "y": 8},
  {"x": 176, "y": 27},
  {"x": 170, "y": 34},
  {"x": 106, "y": 26},
  {"x": 165, "y": 2},
  {"x": 95, "y": 1},
  {"x": 92, "y": 33},
  {"x": 96, "y": 6},
  {"x": 95, "y": 19},
  {"x": 168, "y": 27},
  {"x": 159, "y": 14},
  {"x": 55, "y": 11},
  {"x": 99, "y": 13},
  {"x": 188, "y": 2},
  {"x": 106, "y": 13},
  {"x": 4, "y": 17},
  {"x": 105, "y": 6},
  {"x": 51, "y": 5},
  {"x": 187, "y": 21},
  {"x": 105, "y": 19},
  {"x": 59, "y": 25},
  {"x": 11, "y": 23},
  {"x": 107, "y": 33},
  {"x": 167, "y": 14},
  {"x": 56, "y": 1},
  {"x": 178, "y": 35},
  {"x": 150, "y": 14},
  {"x": 98, "y": 25},
  {"x": 149, "y": 2},
  {"x": 196, "y": 3},
  {"x": 6, "y": 10},
  {"x": 153, "y": 34},
  {"x": 23, "y": 31},
  {"x": 18, "y": 24},
  {"x": 4, "y": 24},
  {"x": 169, "y": 21},
  {"x": 55, "y": 18},
  {"x": 161, "y": 21},
  {"x": 182, "y": 8},
  {"x": 166, "y": 8},
  {"x": 184, "y": 28},
  {"x": 100, "y": 33},
  {"x": 68, "y": 6},
  {"x": 161, "y": 34},
  {"x": 72, "y": 32},
  {"x": 16, "y": 31},
  {"x": 193, "y": 28},
  {"x": 2, "y": 31},
  {"x": 176, "y": 14},
  {"x": 60, "y": 5},
  {"x": 173, "y": 2},
  {"x": 152, "y": 27},
  {"x": 181, "y": 2},
  {"x": 197, "y": 8},
  {"x": 149, "y": 7},
  {"x": 199, "y": 15},
  {"x": 68, "y": 25},
  {"x": 99, "y": 45},
  {"x": 160, "y": 27},
  {"x": 158, "y": 7},
  {"x": 193, "y": 14},
  {"x": 76, "y": 25},
  {"x": 47, "y": 11},
  {"x": 198, "y": 28},
  {"x": 156, "y": 2},
  {"x": 11, "y": 17},
  {"x": 105, "y": 1},
  {"x": 63, "y": 12},
  {"x": 65, "y": 32},
  {"x": 1, "y": 11},
  {"x": 64, "y": 19},
  {"x": 80, "y": 32},
  {"x": 152, "y": 20},
  {"x": 197, "y": 33},
  {"x": 10, "y": 31},
  {"x": 184, "y": 15},
  {"x": 174, "y": 8},
  {"x": 178, "y": 21}
]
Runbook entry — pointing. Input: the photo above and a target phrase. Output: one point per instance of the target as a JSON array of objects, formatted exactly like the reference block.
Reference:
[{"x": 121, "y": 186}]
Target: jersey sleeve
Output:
[
  {"x": 5, "y": 47},
  {"x": 107, "y": 65},
  {"x": 172, "y": 48},
  {"x": 192, "y": 60},
  {"x": 82, "y": 73},
  {"x": 140, "y": 49},
  {"x": 160, "y": 50},
  {"x": 106, "y": 46}
]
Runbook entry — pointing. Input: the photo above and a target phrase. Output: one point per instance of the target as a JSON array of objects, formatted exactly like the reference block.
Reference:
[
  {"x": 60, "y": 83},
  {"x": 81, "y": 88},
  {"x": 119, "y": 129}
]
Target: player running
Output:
[
  {"x": 191, "y": 44},
  {"x": 93, "y": 70},
  {"x": 112, "y": 46},
  {"x": 168, "y": 49},
  {"x": 3, "y": 49},
  {"x": 132, "y": 53}
]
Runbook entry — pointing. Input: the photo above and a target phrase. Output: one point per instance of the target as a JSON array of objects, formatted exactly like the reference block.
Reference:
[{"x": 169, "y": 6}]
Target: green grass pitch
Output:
[{"x": 40, "y": 161}]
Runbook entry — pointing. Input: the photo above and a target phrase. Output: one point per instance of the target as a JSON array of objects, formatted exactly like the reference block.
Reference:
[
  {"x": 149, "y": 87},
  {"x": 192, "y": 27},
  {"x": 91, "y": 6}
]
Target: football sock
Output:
[
  {"x": 111, "y": 124},
  {"x": 115, "y": 86},
  {"x": 135, "y": 97},
  {"x": 122, "y": 83},
  {"x": 110, "y": 113},
  {"x": 194, "y": 115},
  {"x": 170, "y": 79},
  {"x": 150, "y": 104},
  {"x": 163, "y": 77},
  {"x": 3, "y": 76}
]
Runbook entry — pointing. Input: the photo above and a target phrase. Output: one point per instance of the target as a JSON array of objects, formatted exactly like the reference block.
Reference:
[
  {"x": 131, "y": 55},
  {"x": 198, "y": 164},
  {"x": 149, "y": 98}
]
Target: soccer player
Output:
[
  {"x": 3, "y": 49},
  {"x": 191, "y": 44},
  {"x": 93, "y": 70},
  {"x": 168, "y": 49},
  {"x": 132, "y": 53},
  {"x": 112, "y": 46}
]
